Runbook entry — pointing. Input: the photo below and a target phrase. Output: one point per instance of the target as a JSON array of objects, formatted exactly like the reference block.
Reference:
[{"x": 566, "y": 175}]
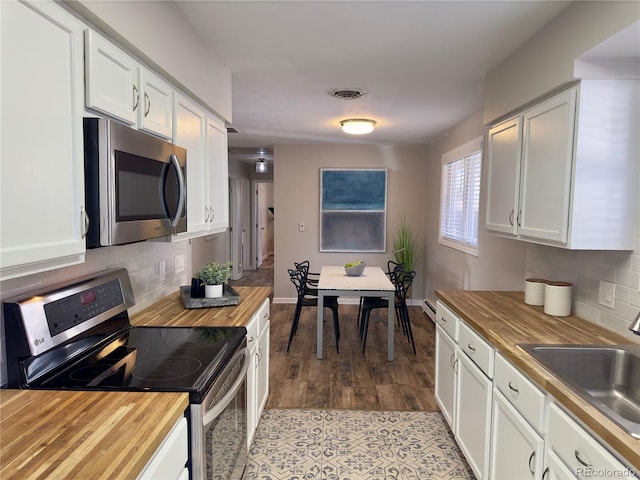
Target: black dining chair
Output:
[
  {"x": 307, "y": 299},
  {"x": 402, "y": 281},
  {"x": 391, "y": 266}
]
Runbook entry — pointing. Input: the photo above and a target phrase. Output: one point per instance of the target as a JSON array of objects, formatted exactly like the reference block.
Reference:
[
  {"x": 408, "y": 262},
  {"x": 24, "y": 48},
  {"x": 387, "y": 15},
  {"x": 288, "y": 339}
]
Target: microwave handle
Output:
[{"x": 174, "y": 161}]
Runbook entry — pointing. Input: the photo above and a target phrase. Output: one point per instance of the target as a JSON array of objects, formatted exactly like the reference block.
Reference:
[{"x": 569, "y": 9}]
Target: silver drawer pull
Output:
[
  {"x": 545, "y": 474},
  {"x": 531, "y": 457},
  {"x": 250, "y": 340},
  {"x": 585, "y": 464},
  {"x": 471, "y": 348},
  {"x": 513, "y": 389},
  {"x": 442, "y": 319}
]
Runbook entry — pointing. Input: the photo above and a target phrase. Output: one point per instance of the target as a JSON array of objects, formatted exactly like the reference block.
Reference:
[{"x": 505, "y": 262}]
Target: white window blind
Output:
[{"x": 460, "y": 202}]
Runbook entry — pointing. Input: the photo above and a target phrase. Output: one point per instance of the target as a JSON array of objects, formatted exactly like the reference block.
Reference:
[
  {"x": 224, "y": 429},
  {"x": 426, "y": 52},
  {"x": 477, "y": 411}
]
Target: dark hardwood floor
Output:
[{"x": 351, "y": 379}]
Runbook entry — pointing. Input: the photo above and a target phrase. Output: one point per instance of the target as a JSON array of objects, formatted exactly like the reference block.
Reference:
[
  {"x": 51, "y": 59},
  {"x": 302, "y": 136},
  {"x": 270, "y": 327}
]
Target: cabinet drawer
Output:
[
  {"x": 577, "y": 448},
  {"x": 477, "y": 349},
  {"x": 521, "y": 392},
  {"x": 253, "y": 331},
  {"x": 263, "y": 315},
  {"x": 447, "y": 320}
]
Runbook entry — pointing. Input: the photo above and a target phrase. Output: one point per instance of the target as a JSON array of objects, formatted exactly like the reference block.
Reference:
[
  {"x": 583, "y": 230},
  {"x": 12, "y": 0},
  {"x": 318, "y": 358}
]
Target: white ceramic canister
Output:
[
  {"x": 534, "y": 291},
  {"x": 557, "y": 299}
]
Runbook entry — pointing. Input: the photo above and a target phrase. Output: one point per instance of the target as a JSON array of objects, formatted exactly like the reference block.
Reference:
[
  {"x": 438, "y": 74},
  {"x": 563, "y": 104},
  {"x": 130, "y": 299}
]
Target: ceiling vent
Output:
[
  {"x": 347, "y": 94},
  {"x": 232, "y": 130}
]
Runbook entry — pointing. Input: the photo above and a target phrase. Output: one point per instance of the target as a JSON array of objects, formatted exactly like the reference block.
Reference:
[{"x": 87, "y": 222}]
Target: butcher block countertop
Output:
[
  {"x": 69, "y": 434},
  {"x": 504, "y": 320},
  {"x": 170, "y": 311}
]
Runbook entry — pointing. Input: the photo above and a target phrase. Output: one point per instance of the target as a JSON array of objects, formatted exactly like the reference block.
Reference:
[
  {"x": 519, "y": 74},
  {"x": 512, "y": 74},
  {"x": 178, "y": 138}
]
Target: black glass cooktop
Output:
[{"x": 155, "y": 359}]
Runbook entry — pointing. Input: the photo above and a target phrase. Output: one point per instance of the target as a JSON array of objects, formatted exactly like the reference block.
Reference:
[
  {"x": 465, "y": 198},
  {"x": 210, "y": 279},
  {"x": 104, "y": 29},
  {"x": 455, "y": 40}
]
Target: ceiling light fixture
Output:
[
  {"x": 358, "y": 126},
  {"x": 261, "y": 166}
]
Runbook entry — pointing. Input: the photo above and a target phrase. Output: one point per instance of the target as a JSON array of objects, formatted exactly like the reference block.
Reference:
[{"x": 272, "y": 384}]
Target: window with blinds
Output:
[{"x": 460, "y": 201}]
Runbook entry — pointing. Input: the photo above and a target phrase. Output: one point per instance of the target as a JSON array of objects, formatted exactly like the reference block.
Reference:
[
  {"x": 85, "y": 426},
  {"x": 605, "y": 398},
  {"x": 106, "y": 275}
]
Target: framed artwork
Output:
[{"x": 353, "y": 210}]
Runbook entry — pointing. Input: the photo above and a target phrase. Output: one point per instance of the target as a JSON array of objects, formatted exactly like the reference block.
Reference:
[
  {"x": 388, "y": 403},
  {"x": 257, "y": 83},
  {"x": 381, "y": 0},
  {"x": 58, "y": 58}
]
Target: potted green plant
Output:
[
  {"x": 405, "y": 247},
  {"x": 213, "y": 275}
]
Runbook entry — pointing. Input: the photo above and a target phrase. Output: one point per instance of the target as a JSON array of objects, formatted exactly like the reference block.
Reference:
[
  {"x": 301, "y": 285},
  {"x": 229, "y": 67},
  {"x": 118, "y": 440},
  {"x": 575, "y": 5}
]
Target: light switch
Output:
[{"x": 607, "y": 294}]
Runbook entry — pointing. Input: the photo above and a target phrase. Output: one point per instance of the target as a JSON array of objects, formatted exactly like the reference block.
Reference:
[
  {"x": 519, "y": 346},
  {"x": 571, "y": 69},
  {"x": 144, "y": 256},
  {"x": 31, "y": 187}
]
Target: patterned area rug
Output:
[{"x": 354, "y": 445}]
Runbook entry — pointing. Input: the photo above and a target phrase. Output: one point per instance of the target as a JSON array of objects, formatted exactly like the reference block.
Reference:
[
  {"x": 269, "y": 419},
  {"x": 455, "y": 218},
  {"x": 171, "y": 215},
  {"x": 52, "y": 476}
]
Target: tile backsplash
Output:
[
  {"x": 585, "y": 270},
  {"x": 151, "y": 267}
]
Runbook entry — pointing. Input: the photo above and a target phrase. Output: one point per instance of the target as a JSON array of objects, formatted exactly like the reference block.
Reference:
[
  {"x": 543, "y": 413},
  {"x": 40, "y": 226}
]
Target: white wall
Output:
[
  {"x": 500, "y": 262},
  {"x": 585, "y": 269},
  {"x": 297, "y": 199},
  {"x": 546, "y": 60}
]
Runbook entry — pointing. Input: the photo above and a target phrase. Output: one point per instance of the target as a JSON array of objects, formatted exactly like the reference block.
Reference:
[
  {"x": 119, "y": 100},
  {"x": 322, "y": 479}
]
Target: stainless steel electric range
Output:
[{"x": 78, "y": 337}]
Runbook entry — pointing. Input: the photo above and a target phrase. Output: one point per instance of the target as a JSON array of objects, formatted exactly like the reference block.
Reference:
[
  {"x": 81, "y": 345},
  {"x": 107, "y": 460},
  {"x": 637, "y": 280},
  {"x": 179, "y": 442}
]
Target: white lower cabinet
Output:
[
  {"x": 170, "y": 459},
  {"x": 473, "y": 415},
  {"x": 506, "y": 426},
  {"x": 516, "y": 448},
  {"x": 580, "y": 452},
  {"x": 258, "y": 342},
  {"x": 446, "y": 365},
  {"x": 555, "y": 469}
]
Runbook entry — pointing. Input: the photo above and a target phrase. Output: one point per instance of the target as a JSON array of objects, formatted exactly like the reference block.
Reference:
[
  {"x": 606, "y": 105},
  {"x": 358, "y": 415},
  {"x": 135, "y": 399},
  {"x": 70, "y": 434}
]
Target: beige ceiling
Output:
[{"x": 422, "y": 63}]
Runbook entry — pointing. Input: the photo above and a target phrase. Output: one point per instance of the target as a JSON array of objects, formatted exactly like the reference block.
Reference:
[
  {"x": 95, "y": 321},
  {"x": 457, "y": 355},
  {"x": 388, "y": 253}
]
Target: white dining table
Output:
[{"x": 373, "y": 282}]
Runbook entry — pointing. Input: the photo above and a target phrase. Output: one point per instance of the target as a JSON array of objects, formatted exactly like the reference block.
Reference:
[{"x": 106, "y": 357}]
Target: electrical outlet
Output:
[
  {"x": 607, "y": 294},
  {"x": 162, "y": 271},
  {"x": 179, "y": 263}
]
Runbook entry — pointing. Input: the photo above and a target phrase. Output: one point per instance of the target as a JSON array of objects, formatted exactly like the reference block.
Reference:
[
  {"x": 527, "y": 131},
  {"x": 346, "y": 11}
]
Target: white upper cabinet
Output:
[
  {"x": 118, "y": 86},
  {"x": 42, "y": 183},
  {"x": 503, "y": 176},
  {"x": 569, "y": 166},
  {"x": 547, "y": 147},
  {"x": 218, "y": 166},
  {"x": 155, "y": 112},
  {"x": 189, "y": 133}
]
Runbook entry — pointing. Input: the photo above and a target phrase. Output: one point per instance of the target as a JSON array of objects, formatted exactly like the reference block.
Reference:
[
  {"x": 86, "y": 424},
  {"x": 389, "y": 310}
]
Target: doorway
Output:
[{"x": 263, "y": 221}]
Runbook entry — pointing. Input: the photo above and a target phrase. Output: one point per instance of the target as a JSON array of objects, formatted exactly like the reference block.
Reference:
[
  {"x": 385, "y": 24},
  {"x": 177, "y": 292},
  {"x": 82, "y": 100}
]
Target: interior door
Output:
[{"x": 235, "y": 212}]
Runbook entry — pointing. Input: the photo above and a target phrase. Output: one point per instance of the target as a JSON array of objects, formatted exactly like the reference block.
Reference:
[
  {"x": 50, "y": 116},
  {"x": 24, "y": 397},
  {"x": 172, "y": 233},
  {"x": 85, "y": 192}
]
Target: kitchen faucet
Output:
[{"x": 635, "y": 325}]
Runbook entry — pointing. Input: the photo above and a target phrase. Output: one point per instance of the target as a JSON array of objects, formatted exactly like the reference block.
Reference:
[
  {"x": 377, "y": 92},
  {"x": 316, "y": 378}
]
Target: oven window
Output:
[{"x": 226, "y": 441}]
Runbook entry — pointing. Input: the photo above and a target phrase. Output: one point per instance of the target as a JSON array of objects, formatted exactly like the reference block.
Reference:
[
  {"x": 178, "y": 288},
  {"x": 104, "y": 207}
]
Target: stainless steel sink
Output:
[{"x": 608, "y": 377}]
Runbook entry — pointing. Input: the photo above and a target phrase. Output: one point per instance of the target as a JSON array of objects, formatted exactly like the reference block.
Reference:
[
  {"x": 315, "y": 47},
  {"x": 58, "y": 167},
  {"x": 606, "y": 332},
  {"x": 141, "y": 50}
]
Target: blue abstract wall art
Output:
[{"x": 353, "y": 208}]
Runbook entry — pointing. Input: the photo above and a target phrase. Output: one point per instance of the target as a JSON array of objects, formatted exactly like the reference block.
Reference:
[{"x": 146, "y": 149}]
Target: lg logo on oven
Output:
[{"x": 38, "y": 341}]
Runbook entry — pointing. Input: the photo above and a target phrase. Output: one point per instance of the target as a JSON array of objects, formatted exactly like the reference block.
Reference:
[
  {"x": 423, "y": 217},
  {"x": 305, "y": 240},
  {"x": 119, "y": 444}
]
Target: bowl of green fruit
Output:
[{"x": 354, "y": 269}]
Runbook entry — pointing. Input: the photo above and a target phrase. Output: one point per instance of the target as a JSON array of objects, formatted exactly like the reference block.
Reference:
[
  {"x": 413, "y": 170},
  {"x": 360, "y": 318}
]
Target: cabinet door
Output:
[
  {"x": 556, "y": 469},
  {"x": 473, "y": 415},
  {"x": 516, "y": 448},
  {"x": 189, "y": 133},
  {"x": 42, "y": 181},
  {"x": 446, "y": 364},
  {"x": 503, "y": 176},
  {"x": 262, "y": 374},
  {"x": 218, "y": 165},
  {"x": 546, "y": 168},
  {"x": 111, "y": 79},
  {"x": 155, "y": 113},
  {"x": 252, "y": 391}
]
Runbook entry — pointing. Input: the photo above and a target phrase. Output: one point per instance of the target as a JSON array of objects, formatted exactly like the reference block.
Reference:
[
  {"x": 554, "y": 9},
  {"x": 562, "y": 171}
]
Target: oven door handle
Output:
[{"x": 219, "y": 407}]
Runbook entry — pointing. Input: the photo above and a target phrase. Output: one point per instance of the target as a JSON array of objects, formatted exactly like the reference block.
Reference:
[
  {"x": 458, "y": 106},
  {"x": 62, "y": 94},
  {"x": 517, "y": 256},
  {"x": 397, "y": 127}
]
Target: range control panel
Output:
[{"x": 82, "y": 306}]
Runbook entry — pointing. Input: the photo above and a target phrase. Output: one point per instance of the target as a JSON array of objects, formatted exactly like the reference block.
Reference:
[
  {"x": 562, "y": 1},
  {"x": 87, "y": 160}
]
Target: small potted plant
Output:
[{"x": 213, "y": 275}]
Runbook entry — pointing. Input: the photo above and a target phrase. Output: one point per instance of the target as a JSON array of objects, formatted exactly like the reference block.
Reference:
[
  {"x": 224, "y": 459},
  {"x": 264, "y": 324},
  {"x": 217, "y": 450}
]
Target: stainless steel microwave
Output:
[{"x": 135, "y": 186}]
